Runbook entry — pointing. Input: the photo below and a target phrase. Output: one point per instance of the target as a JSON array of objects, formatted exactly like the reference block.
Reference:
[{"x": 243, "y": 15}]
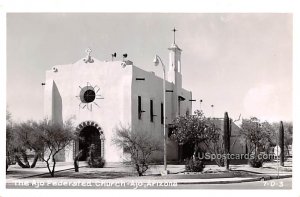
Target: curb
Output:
[
  {"x": 281, "y": 176},
  {"x": 259, "y": 178},
  {"x": 48, "y": 173},
  {"x": 238, "y": 181},
  {"x": 221, "y": 182}
]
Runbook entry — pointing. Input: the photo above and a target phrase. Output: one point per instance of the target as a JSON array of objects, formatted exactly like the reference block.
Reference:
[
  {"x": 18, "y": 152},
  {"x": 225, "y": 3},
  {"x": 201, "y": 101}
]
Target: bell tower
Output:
[
  {"x": 174, "y": 69},
  {"x": 174, "y": 76}
]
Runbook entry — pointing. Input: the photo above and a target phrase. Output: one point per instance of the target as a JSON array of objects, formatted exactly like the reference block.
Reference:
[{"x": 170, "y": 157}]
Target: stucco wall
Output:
[
  {"x": 120, "y": 90},
  {"x": 152, "y": 88},
  {"x": 114, "y": 82},
  {"x": 238, "y": 145}
]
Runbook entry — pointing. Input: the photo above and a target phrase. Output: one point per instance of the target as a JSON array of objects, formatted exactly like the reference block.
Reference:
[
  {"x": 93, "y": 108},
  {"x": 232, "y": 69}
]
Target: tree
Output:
[
  {"x": 214, "y": 141},
  {"x": 9, "y": 140},
  {"x": 189, "y": 129},
  {"x": 76, "y": 161},
  {"x": 226, "y": 139},
  {"x": 197, "y": 129},
  {"x": 41, "y": 137},
  {"x": 19, "y": 137},
  {"x": 281, "y": 143},
  {"x": 139, "y": 144},
  {"x": 54, "y": 137},
  {"x": 257, "y": 134},
  {"x": 288, "y": 134},
  {"x": 258, "y": 137},
  {"x": 26, "y": 138}
]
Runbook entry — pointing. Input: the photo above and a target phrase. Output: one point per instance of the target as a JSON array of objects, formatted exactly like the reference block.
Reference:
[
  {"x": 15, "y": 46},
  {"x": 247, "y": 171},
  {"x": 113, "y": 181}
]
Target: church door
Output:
[{"x": 89, "y": 135}]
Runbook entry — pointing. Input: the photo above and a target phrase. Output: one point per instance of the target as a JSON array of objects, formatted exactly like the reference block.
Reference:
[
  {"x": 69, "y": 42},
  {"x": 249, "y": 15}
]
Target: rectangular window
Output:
[
  {"x": 139, "y": 107},
  {"x": 162, "y": 113},
  {"x": 151, "y": 110}
]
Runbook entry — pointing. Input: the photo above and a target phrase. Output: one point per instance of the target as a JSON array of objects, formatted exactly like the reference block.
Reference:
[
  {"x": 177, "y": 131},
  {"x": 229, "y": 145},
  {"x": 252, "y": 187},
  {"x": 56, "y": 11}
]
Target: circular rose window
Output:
[{"x": 87, "y": 94}]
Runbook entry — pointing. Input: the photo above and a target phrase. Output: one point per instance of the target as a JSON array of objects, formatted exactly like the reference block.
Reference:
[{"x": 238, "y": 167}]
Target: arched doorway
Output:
[{"x": 90, "y": 134}]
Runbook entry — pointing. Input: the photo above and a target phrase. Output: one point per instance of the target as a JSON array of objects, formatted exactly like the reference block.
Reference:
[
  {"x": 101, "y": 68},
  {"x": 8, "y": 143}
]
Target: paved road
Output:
[{"x": 270, "y": 184}]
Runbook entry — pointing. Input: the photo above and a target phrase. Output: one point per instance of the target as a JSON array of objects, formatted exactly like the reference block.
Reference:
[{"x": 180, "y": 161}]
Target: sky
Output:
[{"x": 240, "y": 63}]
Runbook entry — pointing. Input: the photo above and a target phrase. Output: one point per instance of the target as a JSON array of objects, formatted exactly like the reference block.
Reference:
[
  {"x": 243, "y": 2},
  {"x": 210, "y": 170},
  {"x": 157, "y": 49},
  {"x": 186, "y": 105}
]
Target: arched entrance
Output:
[{"x": 90, "y": 133}]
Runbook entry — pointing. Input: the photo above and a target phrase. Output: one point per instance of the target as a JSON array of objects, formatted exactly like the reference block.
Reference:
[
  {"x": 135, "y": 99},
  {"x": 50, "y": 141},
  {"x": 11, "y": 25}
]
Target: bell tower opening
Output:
[{"x": 174, "y": 70}]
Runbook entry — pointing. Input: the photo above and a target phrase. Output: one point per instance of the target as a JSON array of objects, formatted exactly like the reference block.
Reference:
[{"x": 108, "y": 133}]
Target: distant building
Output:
[
  {"x": 101, "y": 95},
  {"x": 237, "y": 143}
]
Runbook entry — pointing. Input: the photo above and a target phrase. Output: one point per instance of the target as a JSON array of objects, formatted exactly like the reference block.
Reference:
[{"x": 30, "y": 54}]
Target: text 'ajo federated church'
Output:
[{"x": 101, "y": 95}]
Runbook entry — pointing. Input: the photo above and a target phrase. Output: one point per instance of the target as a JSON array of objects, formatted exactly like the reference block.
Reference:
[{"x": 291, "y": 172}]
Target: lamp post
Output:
[{"x": 156, "y": 61}]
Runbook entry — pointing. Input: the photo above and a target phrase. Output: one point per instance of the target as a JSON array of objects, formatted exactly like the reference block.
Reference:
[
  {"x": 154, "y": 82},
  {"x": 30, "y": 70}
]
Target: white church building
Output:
[{"x": 100, "y": 95}]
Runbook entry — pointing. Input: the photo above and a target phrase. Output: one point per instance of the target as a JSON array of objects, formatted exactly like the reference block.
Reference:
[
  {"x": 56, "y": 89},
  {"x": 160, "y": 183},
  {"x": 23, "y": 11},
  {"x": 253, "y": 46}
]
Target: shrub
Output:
[
  {"x": 256, "y": 162},
  {"x": 139, "y": 144},
  {"x": 94, "y": 160},
  {"x": 194, "y": 165},
  {"x": 97, "y": 162}
]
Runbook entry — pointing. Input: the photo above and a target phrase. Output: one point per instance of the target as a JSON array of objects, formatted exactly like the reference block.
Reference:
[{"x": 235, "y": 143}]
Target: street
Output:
[{"x": 270, "y": 184}]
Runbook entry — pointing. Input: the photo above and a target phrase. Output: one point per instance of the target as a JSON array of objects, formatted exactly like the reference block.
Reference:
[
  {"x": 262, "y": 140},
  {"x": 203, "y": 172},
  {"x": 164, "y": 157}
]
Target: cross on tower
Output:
[{"x": 174, "y": 30}]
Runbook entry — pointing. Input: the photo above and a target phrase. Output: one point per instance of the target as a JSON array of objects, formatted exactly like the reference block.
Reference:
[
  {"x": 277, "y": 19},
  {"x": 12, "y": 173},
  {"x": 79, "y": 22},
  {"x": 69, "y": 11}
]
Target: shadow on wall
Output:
[
  {"x": 57, "y": 115},
  {"x": 56, "y": 105}
]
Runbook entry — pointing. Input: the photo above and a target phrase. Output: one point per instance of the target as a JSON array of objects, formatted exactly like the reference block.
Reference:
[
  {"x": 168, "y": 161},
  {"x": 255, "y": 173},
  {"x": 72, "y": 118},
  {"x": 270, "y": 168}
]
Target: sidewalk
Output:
[{"x": 120, "y": 173}]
